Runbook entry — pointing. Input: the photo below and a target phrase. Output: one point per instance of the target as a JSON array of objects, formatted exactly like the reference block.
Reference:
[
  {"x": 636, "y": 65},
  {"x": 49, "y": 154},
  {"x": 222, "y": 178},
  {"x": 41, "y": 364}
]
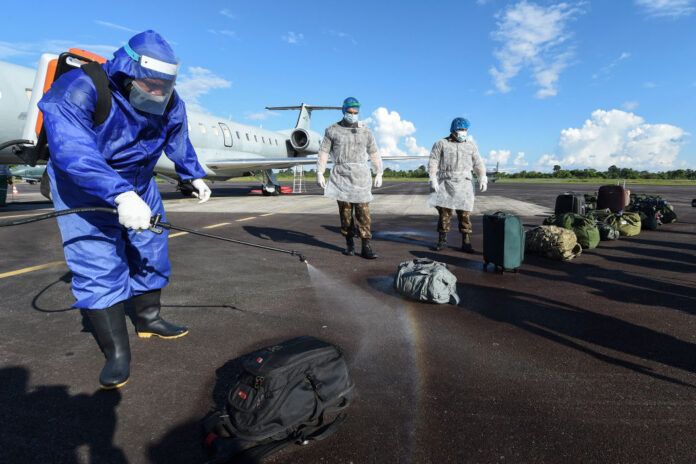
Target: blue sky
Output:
[{"x": 578, "y": 83}]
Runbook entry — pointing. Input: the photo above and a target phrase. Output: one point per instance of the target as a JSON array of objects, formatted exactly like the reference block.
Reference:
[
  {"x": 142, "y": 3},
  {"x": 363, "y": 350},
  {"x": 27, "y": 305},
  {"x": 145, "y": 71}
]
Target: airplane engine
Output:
[{"x": 304, "y": 142}]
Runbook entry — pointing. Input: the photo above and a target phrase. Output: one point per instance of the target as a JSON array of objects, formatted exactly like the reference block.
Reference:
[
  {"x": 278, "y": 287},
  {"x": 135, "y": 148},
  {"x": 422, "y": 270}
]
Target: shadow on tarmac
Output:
[
  {"x": 289, "y": 236},
  {"x": 568, "y": 325},
  {"x": 51, "y": 425}
]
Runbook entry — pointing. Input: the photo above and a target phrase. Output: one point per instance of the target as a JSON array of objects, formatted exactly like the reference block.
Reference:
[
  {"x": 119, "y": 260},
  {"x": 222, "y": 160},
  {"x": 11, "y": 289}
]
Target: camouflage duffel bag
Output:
[{"x": 553, "y": 242}]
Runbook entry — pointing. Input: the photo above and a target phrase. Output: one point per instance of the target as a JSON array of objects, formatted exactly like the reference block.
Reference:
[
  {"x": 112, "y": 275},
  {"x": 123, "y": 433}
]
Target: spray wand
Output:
[{"x": 156, "y": 226}]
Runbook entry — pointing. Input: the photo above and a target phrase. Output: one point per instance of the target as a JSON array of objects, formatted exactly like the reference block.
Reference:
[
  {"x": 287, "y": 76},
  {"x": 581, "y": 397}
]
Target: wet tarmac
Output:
[{"x": 593, "y": 360}]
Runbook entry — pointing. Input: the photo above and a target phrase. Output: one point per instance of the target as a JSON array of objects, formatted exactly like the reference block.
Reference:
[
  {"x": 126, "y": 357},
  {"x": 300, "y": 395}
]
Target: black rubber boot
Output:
[
  {"x": 109, "y": 330},
  {"x": 367, "y": 252},
  {"x": 466, "y": 243},
  {"x": 350, "y": 246},
  {"x": 148, "y": 323},
  {"x": 441, "y": 241}
]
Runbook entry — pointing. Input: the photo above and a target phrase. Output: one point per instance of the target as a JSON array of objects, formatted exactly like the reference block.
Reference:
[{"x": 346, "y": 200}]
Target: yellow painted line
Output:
[
  {"x": 246, "y": 219},
  {"x": 267, "y": 214},
  {"x": 30, "y": 269},
  {"x": 215, "y": 226},
  {"x": 178, "y": 234}
]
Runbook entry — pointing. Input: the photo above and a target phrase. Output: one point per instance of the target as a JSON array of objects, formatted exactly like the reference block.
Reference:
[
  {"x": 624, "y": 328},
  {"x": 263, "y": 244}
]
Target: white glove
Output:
[
  {"x": 435, "y": 185},
  {"x": 133, "y": 212},
  {"x": 321, "y": 181},
  {"x": 378, "y": 180},
  {"x": 203, "y": 190},
  {"x": 483, "y": 183}
]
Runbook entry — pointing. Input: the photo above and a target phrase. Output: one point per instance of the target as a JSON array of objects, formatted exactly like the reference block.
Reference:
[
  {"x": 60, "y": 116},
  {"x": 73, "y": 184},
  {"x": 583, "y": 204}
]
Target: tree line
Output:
[{"x": 613, "y": 172}]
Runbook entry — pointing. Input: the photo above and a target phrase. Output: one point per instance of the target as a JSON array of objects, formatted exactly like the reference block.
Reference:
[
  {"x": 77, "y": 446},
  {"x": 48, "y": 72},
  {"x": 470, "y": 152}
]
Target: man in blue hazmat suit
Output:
[
  {"x": 116, "y": 260},
  {"x": 452, "y": 161}
]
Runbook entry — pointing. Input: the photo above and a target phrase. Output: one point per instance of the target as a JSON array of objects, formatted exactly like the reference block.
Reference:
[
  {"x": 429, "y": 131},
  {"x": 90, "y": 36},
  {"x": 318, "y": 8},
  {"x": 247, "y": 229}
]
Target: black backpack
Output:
[{"x": 293, "y": 392}]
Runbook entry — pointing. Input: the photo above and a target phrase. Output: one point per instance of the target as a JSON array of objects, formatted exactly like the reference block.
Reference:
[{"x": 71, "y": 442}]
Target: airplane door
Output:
[{"x": 226, "y": 134}]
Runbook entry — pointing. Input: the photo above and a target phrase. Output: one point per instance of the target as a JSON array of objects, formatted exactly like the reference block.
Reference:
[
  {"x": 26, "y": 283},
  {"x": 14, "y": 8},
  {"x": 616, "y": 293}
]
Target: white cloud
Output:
[
  {"x": 56, "y": 46},
  {"x": 606, "y": 70},
  {"x": 118, "y": 27},
  {"x": 260, "y": 116},
  {"x": 225, "y": 32},
  {"x": 498, "y": 156},
  {"x": 228, "y": 14},
  {"x": 293, "y": 38},
  {"x": 343, "y": 35},
  {"x": 198, "y": 82},
  {"x": 533, "y": 37},
  {"x": 630, "y": 105},
  {"x": 667, "y": 8},
  {"x": 520, "y": 160},
  {"x": 392, "y": 133},
  {"x": 618, "y": 138}
]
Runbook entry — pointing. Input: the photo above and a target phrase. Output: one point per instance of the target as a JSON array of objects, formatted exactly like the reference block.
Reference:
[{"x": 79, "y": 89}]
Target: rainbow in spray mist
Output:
[{"x": 379, "y": 328}]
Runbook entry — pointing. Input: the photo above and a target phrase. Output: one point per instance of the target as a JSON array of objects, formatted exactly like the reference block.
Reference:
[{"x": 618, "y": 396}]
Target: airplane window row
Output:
[{"x": 203, "y": 130}]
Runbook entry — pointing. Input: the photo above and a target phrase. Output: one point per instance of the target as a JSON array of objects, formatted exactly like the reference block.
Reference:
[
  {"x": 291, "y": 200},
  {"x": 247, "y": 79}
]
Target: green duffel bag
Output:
[
  {"x": 627, "y": 223},
  {"x": 552, "y": 242},
  {"x": 585, "y": 228}
]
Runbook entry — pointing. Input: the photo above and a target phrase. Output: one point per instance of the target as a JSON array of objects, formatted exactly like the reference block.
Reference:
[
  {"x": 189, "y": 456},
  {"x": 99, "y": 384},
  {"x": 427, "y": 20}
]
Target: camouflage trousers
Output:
[
  {"x": 443, "y": 224},
  {"x": 355, "y": 219}
]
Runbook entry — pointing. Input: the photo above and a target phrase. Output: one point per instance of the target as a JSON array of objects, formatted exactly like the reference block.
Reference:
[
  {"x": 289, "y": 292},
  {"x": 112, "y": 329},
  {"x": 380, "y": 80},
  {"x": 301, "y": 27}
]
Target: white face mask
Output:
[
  {"x": 351, "y": 118},
  {"x": 462, "y": 135}
]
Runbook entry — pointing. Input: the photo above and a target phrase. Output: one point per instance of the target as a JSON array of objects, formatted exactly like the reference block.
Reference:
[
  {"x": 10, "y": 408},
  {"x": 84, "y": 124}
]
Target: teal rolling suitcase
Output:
[{"x": 503, "y": 241}]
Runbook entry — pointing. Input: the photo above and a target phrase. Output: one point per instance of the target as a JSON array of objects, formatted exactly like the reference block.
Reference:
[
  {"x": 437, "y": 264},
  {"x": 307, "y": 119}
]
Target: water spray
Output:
[{"x": 156, "y": 226}]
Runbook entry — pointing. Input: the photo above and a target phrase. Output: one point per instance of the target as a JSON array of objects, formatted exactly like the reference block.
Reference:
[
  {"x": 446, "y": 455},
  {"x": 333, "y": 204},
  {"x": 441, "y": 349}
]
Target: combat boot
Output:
[
  {"x": 350, "y": 246},
  {"x": 466, "y": 243},
  {"x": 109, "y": 330},
  {"x": 148, "y": 323},
  {"x": 441, "y": 241},
  {"x": 367, "y": 252}
]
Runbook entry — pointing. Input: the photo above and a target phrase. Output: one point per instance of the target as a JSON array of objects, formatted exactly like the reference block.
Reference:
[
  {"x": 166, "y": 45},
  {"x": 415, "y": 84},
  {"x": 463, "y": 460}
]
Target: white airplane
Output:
[{"x": 225, "y": 148}]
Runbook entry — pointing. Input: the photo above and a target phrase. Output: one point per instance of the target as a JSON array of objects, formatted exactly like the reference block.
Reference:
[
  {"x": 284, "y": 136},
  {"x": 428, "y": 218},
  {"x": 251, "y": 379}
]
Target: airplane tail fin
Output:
[{"x": 305, "y": 117}]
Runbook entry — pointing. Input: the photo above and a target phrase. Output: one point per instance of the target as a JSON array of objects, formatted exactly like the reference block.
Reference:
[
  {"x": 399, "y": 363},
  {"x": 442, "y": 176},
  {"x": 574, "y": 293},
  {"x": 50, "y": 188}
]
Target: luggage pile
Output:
[{"x": 653, "y": 210}]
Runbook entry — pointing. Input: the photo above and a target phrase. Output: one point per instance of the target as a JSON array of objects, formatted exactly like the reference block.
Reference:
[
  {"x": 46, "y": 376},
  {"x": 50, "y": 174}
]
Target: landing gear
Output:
[{"x": 270, "y": 185}]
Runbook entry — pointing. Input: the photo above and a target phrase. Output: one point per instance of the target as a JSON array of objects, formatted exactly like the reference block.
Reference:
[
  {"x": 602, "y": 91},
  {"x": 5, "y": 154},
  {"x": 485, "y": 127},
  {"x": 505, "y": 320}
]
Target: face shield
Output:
[{"x": 152, "y": 94}]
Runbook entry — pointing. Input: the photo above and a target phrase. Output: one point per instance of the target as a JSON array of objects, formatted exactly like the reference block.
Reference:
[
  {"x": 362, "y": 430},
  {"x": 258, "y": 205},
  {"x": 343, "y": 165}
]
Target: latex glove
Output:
[
  {"x": 133, "y": 212},
  {"x": 378, "y": 180},
  {"x": 483, "y": 184},
  {"x": 434, "y": 185},
  {"x": 203, "y": 190},
  {"x": 321, "y": 181}
]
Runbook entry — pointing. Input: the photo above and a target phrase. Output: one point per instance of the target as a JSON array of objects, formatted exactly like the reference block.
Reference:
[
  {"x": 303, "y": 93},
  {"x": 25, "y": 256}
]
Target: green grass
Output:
[
  {"x": 677, "y": 182},
  {"x": 599, "y": 181}
]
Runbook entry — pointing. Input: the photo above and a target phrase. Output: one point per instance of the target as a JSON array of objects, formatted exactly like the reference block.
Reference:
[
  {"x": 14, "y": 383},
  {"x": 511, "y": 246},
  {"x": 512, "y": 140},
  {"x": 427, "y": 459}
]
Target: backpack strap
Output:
[{"x": 101, "y": 82}]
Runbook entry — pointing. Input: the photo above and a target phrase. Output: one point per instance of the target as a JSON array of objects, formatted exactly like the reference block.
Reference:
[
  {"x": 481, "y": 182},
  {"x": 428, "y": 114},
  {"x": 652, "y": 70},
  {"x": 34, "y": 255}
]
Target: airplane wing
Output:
[{"x": 252, "y": 164}]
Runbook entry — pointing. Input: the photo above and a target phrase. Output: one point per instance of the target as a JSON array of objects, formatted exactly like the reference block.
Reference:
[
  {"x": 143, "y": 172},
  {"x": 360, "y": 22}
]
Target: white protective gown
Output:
[
  {"x": 349, "y": 148},
  {"x": 451, "y": 163}
]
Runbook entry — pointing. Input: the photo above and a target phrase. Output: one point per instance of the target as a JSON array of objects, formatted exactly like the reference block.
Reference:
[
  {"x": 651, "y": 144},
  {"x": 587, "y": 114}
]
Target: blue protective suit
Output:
[{"x": 91, "y": 166}]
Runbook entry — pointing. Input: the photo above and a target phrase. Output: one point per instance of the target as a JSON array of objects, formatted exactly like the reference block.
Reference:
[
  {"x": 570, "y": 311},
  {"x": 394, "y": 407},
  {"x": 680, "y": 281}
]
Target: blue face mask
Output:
[
  {"x": 351, "y": 118},
  {"x": 462, "y": 136}
]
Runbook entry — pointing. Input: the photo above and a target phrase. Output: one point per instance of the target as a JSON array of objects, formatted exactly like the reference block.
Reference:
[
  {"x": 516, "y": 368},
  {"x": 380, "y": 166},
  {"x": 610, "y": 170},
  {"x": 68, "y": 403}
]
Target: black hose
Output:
[
  {"x": 9, "y": 143},
  {"x": 154, "y": 228},
  {"x": 41, "y": 217}
]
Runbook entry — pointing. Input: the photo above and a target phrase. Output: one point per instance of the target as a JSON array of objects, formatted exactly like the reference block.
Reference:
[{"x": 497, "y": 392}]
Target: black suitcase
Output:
[{"x": 570, "y": 202}]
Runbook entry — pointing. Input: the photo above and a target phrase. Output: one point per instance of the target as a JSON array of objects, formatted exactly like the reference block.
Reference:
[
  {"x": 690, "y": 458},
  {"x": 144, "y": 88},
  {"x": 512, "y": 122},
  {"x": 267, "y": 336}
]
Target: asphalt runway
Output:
[{"x": 592, "y": 360}]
